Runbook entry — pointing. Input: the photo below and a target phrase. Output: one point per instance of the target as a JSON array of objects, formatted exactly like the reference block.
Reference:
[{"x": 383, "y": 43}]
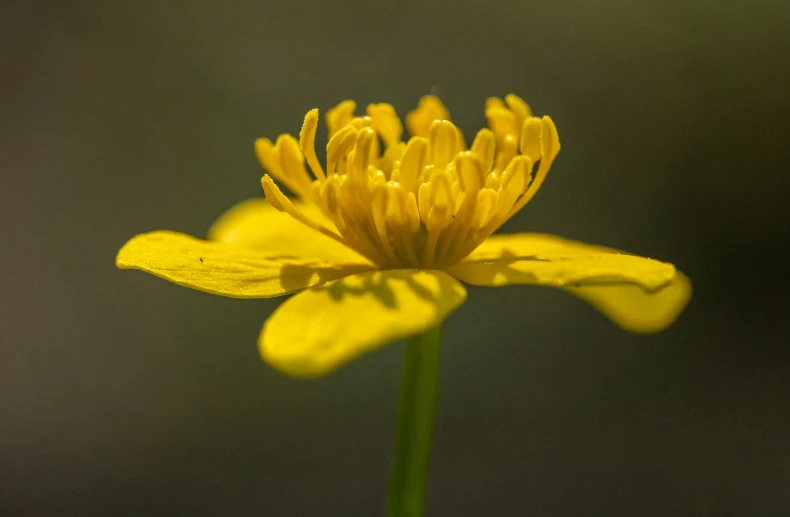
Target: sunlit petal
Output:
[
  {"x": 630, "y": 307},
  {"x": 227, "y": 269},
  {"x": 317, "y": 330},
  {"x": 639, "y": 294}
]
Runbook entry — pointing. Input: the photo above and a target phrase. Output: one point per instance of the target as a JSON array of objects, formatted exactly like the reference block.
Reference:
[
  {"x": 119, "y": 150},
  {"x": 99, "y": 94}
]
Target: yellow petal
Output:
[
  {"x": 256, "y": 224},
  {"x": 638, "y": 294},
  {"x": 633, "y": 309},
  {"x": 226, "y": 269},
  {"x": 317, "y": 330}
]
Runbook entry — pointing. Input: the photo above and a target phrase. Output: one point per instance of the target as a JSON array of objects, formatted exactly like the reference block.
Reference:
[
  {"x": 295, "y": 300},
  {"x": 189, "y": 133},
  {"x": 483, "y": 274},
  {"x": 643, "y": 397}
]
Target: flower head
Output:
[
  {"x": 381, "y": 234},
  {"x": 426, "y": 203}
]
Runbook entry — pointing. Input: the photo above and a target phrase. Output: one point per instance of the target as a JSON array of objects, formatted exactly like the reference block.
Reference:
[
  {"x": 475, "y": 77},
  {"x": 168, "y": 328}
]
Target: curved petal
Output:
[
  {"x": 256, "y": 224},
  {"x": 226, "y": 269},
  {"x": 638, "y": 294},
  {"x": 317, "y": 330},
  {"x": 635, "y": 310}
]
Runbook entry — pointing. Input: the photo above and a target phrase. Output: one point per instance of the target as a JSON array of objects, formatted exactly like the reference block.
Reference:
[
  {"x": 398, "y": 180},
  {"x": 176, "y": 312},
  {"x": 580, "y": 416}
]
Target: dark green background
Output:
[{"x": 121, "y": 394}]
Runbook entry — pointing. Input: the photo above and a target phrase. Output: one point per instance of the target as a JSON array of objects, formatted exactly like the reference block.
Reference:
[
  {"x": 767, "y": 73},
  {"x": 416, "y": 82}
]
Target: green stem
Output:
[{"x": 415, "y": 425}]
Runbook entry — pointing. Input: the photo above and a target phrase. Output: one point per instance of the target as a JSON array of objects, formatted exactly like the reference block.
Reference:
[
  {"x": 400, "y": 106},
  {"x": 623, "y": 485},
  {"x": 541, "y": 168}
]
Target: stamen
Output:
[
  {"x": 470, "y": 179},
  {"x": 508, "y": 149},
  {"x": 440, "y": 204},
  {"x": 470, "y": 173},
  {"x": 278, "y": 200},
  {"x": 360, "y": 122},
  {"x": 338, "y": 148},
  {"x": 484, "y": 147},
  {"x": 503, "y": 122},
  {"x": 549, "y": 148},
  {"x": 430, "y": 248},
  {"x": 411, "y": 164},
  {"x": 396, "y": 204},
  {"x": 390, "y": 160},
  {"x": 412, "y": 212},
  {"x": 514, "y": 183},
  {"x": 492, "y": 180},
  {"x": 386, "y": 123},
  {"x": 307, "y": 143},
  {"x": 530, "y": 138},
  {"x": 339, "y": 116},
  {"x": 292, "y": 163},
  {"x": 269, "y": 156},
  {"x": 427, "y": 203},
  {"x": 358, "y": 168},
  {"x": 443, "y": 142},
  {"x": 330, "y": 198},
  {"x": 494, "y": 103},
  {"x": 284, "y": 163},
  {"x": 518, "y": 106},
  {"x": 429, "y": 109},
  {"x": 379, "y": 208},
  {"x": 485, "y": 209},
  {"x": 399, "y": 222}
]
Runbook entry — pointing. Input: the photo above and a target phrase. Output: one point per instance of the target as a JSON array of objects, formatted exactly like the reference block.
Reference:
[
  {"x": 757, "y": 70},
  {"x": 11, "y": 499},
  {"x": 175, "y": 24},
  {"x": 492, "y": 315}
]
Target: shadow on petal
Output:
[{"x": 317, "y": 330}]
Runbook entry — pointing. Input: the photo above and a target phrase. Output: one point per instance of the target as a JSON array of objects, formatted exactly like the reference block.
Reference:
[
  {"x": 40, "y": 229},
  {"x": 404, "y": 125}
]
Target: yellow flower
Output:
[{"x": 379, "y": 241}]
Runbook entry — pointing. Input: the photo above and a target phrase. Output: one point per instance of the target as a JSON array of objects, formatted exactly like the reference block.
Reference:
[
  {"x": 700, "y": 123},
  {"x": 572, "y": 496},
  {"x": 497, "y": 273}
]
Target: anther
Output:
[
  {"x": 412, "y": 163},
  {"x": 508, "y": 148},
  {"x": 470, "y": 172},
  {"x": 502, "y": 122},
  {"x": 518, "y": 106},
  {"x": 549, "y": 147},
  {"x": 307, "y": 143},
  {"x": 429, "y": 109},
  {"x": 339, "y": 116},
  {"x": 485, "y": 208},
  {"x": 441, "y": 203},
  {"x": 484, "y": 147},
  {"x": 292, "y": 165},
  {"x": 442, "y": 142},
  {"x": 386, "y": 123},
  {"x": 530, "y": 138},
  {"x": 338, "y": 147}
]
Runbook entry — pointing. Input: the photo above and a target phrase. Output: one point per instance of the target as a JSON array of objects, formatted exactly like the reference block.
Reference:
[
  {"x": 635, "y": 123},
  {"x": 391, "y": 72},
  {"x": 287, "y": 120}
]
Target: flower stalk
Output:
[{"x": 416, "y": 415}]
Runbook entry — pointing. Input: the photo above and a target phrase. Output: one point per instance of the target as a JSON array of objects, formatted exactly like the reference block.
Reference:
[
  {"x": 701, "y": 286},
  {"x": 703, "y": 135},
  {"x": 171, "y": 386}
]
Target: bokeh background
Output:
[{"x": 121, "y": 394}]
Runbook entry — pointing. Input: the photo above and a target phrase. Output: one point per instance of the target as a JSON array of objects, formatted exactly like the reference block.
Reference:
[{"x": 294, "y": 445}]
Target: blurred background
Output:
[{"x": 121, "y": 394}]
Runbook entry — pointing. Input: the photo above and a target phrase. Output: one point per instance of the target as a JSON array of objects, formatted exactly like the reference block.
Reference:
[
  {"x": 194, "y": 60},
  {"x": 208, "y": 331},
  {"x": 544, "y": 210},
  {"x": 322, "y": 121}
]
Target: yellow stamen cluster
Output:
[{"x": 426, "y": 203}]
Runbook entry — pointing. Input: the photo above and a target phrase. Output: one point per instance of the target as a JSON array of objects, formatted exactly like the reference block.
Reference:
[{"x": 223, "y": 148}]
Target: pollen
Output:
[{"x": 427, "y": 202}]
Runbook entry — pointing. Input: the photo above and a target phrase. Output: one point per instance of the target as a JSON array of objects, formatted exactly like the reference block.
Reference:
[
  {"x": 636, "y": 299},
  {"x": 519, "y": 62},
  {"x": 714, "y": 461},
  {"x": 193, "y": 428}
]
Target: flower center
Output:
[{"x": 425, "y": 203}]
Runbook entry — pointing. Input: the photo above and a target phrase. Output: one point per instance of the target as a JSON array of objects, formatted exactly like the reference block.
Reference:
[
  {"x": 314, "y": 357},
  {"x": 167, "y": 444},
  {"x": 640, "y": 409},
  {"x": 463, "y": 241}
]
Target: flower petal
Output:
[
  {"x": 317, "y": 330},
  {"x": 256, "y": 224},
  {"x": 638, "y": 294},
  {"x": 227, "y": 269},
  {"x": 635, "y": 310}
]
